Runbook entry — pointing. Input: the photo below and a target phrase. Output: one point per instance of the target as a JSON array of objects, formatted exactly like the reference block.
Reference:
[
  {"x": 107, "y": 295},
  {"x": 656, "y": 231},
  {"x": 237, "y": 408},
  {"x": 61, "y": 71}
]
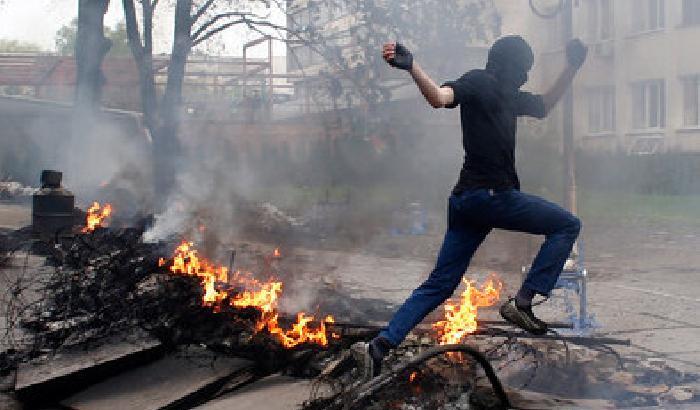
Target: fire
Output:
[
  {"x": 413, "y": 377},
  {"x": 96, "y": 216},
  {"x": 276, "y": 253},
  {"x": 263, "y": 296},
  {"x": 460, "y": 318},
  {"x": 187, "y": 262},
  {"x": 300, "y": 331},
  {"x": 264, "y": 299}
]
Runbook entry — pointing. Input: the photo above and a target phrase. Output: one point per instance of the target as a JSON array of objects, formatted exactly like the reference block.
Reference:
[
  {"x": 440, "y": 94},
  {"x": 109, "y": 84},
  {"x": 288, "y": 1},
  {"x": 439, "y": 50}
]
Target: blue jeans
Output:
[{"x": 471, "y": 216}]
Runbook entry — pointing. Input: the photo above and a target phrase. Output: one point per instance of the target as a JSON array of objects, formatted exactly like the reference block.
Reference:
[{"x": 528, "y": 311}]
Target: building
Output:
[
  {"x": 212, "y": 87},
  {"x": 639, "y": 90}
]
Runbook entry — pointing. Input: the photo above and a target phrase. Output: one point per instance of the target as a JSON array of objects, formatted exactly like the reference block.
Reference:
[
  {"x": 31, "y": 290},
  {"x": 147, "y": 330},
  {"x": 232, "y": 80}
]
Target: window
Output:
[
  {"x": 691, "y": 12},
  {"x": 691, "y": 98},
  {"x": 649, "y": 104},
  {"x": 648, "y": 15},
  {"x": 600, "y": 20},
  {"x": 601, "y": 110}
]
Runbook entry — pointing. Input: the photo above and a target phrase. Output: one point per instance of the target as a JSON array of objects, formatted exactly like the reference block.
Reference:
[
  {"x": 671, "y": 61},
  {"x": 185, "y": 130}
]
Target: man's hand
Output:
[
  {"x": 398, "y": 56},
  {"x": 576, "y": 53}
]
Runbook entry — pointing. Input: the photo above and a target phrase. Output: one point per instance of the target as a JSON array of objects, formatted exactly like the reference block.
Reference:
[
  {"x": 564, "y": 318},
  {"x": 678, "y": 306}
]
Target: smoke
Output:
[
  {"x": 104, "y": 156},
  {"x": 210, "y": 187}
]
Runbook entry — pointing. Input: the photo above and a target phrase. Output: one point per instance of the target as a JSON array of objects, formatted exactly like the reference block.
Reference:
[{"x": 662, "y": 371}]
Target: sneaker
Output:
[
  {"x": 522, "y": 318},
  {"x": 369, "y": 356}
]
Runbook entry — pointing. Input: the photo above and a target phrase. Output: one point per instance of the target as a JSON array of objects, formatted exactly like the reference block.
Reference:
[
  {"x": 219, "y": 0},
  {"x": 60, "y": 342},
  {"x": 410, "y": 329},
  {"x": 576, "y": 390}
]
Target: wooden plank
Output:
[
  {"x": 54, "y": 377},
  {"x": 275, "y": 392},
  {"x": 178, "y": 381}
]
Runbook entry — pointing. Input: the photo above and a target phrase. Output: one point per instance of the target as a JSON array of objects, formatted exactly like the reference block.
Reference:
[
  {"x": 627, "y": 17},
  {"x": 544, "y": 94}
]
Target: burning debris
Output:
[
  {"x": 246, "y": 292},
  {"x": 97, "y": 216}
]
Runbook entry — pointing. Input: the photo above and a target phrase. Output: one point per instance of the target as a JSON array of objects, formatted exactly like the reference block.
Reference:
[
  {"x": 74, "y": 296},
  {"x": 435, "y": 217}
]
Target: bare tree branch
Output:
[
  {"x": 213, "y": 20},
  {"x": 203, "y": 9},
  {"x": 132, "y": 30},
  {"x": 202, "y": 34}
]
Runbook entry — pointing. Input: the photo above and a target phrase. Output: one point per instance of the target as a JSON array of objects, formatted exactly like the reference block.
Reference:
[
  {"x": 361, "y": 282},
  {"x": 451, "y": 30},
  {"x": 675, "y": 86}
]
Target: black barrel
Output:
[{"x": 52, "y": 206}]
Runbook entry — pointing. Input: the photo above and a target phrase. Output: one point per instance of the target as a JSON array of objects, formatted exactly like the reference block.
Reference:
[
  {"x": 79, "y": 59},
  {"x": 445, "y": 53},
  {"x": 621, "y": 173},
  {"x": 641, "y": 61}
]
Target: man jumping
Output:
[{"x": 487, "y": 195}]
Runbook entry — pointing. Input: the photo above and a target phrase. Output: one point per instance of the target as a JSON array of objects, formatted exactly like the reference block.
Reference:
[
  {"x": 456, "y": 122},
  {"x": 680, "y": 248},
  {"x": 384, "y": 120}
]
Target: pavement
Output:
[{"x": 13, "y": 215}]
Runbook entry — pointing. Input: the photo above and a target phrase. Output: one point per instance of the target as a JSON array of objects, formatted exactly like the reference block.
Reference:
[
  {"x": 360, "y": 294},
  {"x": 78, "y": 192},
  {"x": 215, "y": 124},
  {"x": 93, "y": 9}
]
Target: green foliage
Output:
[
  {"x": 120, "y": 44},
  {"x": 17, "y": 46},
  {"x": 65, "y": 38},
  {"x": 66, "y": 35}
]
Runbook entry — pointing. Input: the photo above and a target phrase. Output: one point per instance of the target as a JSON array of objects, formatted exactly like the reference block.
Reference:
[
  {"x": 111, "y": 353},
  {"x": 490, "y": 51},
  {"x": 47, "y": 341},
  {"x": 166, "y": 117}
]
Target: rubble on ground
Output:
[{"x": 103, "y": 286}]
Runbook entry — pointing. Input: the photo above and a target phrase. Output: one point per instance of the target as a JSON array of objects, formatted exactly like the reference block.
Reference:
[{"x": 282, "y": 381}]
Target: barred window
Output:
[
  {"x": 648, "y": 15},
  {"x": 691, "y": 12},
  {"x": 691, "y": 96},
  {"x": 601, "y": 109},
  {"x": 649, "y": 104}
]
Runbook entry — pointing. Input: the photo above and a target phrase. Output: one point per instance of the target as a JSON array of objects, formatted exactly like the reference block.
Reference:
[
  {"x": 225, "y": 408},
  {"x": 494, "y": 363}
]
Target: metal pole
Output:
[
  {"x": 245, "y": 71},
  {"x": 272, "y": 87},
  {"x": 568, "y": 121}
]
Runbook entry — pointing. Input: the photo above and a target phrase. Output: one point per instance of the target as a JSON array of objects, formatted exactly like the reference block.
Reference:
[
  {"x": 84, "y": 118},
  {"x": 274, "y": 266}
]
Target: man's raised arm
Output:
[
  {"x": 575, "y": 56},
  {"x": 398, "y": 56}
]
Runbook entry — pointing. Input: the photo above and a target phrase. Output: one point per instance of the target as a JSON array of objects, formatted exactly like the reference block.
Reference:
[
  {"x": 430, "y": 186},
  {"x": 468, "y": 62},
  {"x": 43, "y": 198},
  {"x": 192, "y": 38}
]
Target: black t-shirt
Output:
[{"x": 489, "y": 123}]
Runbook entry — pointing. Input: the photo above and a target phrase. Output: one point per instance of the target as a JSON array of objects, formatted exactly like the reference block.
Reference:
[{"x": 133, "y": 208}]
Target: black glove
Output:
[
  {"x": 403, "y": 59},
  {"x": 576, "y": 53}
]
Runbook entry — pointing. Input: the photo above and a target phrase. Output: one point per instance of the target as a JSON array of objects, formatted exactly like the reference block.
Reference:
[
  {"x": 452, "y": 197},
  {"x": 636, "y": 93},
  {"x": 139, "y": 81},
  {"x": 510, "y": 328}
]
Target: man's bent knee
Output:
[{"x": 574, "y": 226}]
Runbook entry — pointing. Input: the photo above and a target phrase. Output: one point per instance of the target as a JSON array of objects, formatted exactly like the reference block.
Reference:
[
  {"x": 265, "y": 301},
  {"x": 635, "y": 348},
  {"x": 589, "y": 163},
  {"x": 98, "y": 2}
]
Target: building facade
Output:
[{"x": 639, "y": 90}]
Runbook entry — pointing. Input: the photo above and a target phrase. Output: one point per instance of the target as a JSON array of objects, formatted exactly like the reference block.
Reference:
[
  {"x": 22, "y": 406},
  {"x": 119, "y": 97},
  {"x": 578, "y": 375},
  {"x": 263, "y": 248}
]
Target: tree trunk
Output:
[
  {"x": 165, "y": 139},
  {"x": 143, "y": 55},
  {"x": 91, "y": 46}
]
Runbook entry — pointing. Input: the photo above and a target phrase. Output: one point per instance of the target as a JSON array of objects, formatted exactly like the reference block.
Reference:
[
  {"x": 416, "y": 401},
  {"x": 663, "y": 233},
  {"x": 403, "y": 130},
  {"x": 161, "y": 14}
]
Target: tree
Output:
[
  {"x": 433, "y": 29},
  {"x": 195, "y": 23},
  {"x": 65, "y": 39},
  {"x": 91, "y": 46}
]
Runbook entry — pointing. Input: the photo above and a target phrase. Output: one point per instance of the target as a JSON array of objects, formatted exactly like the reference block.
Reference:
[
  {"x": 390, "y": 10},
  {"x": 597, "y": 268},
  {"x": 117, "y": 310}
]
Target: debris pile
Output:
[
  {"x": 109, "y": 281},
  {"x": 535, "y": 373}
]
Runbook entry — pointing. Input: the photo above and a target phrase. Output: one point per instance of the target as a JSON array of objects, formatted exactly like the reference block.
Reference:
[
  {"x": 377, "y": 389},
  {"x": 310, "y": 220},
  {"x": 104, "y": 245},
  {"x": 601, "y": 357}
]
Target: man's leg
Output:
[
  {"x": 462, "y": 239},
  {"x": 522, "y": 212},
  {"x": 457, "y": 249}
]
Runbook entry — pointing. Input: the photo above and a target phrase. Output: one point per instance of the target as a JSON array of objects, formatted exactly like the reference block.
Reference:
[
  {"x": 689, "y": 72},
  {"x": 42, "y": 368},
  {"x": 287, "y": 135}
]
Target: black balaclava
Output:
[{"x": 510, "y": 59}]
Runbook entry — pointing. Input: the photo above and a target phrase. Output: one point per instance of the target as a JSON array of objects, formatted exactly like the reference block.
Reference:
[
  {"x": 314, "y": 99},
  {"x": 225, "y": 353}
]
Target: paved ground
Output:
[
  {"x": 642, "y": 283},
  {"x": 14, "y": 215}
]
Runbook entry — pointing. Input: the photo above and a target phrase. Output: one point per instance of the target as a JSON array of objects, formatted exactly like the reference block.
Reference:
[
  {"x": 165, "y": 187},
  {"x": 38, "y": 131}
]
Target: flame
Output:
[
  {"x": 263, "y": 296},
  {"x": 300, "y": 331},
  {"x": 276, "y": 253},
  {"x": 460, "y": 318},
  {"x": 413, "y": 377},
  {"x": 187, "y": 262},
  {"x": 96, "y": 216}
]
